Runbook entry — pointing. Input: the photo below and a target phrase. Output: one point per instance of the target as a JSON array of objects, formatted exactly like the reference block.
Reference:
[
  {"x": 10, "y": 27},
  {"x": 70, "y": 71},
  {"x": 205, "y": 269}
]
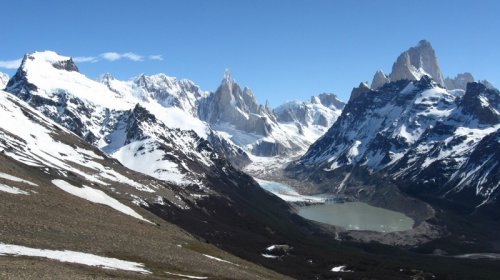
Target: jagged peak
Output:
[
  {"x": 416, "y": 62},
  {"x": 379, "y": 79},
  {"x": 359, "y": 90}
]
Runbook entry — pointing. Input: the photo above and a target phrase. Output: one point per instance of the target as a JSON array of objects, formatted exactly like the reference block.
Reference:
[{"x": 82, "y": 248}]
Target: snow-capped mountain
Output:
[
  {"x": 4, "y": 79},
  {"x": 416, "y": 133}
]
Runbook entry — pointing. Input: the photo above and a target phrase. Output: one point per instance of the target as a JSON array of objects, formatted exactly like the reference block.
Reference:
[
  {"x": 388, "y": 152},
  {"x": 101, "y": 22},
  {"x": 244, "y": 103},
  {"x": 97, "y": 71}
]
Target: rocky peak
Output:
[
  {"x": 329, "y": 100},
  {"x": 487, "y": 84},
  {"x": 416, "y": 62},
  {"x": 379, "y": 79},
  {"x": 459, "y": 82},
  {"x": 482, "y": 102},
  {"x": 360, "y": 90},
  {"x": 236, "y": 106}
]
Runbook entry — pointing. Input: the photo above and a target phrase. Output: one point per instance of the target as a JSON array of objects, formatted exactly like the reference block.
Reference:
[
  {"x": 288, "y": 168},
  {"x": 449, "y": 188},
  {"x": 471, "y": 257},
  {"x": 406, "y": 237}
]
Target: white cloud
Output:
[
  {"x": 113, "y": 56},
  {"x": 79, "y": 59},
  {"x": 132, "y": 56},
  {"x": 155, "y": 57},
  {"x": 11, "y": 64}
]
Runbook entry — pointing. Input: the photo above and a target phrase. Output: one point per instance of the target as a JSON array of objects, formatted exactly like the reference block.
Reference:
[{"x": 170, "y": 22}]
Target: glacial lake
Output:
[
  {"x": 349, "y": 215},
  {"x": 357, "y": 216}
]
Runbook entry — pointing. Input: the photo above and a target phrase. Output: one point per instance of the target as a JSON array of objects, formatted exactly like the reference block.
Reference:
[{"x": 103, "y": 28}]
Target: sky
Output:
[{"x": 282, "y": 50}]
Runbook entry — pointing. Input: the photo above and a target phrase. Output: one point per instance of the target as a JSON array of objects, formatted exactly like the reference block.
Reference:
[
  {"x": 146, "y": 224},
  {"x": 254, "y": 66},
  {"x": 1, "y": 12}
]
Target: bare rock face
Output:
[
  {"x": 459, "y": 82},
  {"x": 379, "y": 79},
  {"x": 4, "y": 79},
  {"x": 416, "y": 62}
]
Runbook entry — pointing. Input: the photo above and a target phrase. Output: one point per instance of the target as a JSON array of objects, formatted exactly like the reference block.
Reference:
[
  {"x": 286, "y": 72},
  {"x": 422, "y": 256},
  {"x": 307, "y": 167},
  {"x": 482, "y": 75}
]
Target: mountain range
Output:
[{"x": 161, "y": 163}]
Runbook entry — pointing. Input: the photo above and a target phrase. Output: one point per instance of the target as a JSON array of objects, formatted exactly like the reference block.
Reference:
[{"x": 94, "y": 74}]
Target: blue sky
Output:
[{"x": 283, "y": 50}]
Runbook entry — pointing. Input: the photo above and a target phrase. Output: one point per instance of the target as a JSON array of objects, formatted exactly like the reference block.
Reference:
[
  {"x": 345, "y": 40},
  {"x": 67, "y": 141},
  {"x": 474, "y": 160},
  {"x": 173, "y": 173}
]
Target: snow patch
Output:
[
  {"x": 73, "y": 257},
  {"x": 186, "y": 276},
  {"x": 97, "y": 196},
  {"x": 16, "y": 179},
  {"x": 268, "y": 256},
  {"x": 341, "y": 268},
  {"x": 12, "y": 190},
  {"x": 219, "y": 260}
]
